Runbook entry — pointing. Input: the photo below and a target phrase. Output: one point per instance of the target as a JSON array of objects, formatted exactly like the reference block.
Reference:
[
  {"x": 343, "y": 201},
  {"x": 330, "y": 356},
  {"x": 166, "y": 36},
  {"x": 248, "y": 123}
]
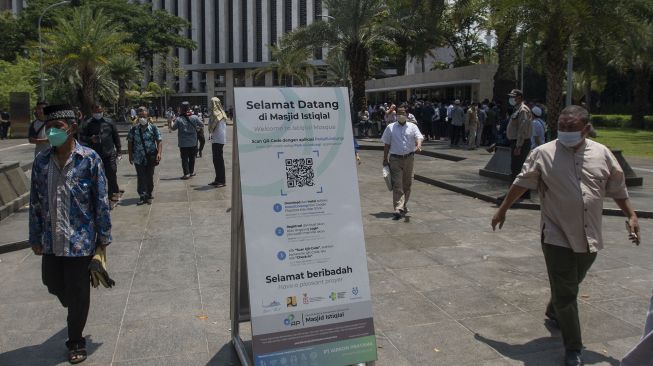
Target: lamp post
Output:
[{"x": 42, "y": 85}]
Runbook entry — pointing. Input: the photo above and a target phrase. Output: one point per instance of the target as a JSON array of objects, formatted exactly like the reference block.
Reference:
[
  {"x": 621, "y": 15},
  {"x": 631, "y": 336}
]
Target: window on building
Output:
[
  {"x": 273, "y": 22},
  {"x": 216, "y": 33},
  {"x": 244, "y": 31},
  {"x": 317, "y": 9},
  {"x": 239, "y": 77},
  {"x": 287, "y": 16},
  {"x": 202, "y": 34},
  {"x": 259, "y": 31},
  {"x": 302, "y": 13},
  {"x": 230, "y": 52}
]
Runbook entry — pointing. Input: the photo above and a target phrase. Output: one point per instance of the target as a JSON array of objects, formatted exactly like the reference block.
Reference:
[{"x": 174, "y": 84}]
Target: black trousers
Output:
[
  {"x": 145, "y": 179},
  {"x": 201, "y": 140},
  {"x": 67, "y": 278},
  {"x": 456, "y": 134},
  {"x": 188, "y": 155},
  {"x": 517, "y": 161},
  {"x": 110, "y": 170},
  {"x": 566, "y": 271},
  {"x": 218, "y": 162}
]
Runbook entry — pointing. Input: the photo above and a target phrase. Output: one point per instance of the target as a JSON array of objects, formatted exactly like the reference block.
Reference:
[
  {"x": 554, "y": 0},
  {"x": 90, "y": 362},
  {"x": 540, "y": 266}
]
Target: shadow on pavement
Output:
[
  {"x": 227, "y": 355},
  {"x": 383, "y": 215},
  {"x": 51, "y": 352},
  {"x": 129, "y": 201},
  {"x": 524, "y": 352},
  {"x": 205, "y": 188}
]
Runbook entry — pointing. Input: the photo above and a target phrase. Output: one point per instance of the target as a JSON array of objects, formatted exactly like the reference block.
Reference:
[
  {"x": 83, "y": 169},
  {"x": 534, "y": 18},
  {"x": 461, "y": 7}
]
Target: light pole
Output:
[{"x": 41, "y": 45}]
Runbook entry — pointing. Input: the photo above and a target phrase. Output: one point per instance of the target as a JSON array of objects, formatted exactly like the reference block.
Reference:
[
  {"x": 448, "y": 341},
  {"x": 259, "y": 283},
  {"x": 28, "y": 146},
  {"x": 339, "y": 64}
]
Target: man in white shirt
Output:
[
  {"x": 36, "y": 132},
  {"x": 401, "y": 140},
  {"x": 218, "y": 133}
]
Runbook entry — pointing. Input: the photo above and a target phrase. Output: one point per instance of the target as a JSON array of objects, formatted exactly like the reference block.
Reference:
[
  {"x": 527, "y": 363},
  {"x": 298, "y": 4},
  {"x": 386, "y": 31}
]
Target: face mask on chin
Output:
[
  {"x": 570, "y": 139},
  {"x": 142, "y": 121}
]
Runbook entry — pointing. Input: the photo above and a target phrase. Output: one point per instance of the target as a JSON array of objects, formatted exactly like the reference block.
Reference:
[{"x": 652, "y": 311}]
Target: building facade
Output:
[{"x": 232, "y": 38}]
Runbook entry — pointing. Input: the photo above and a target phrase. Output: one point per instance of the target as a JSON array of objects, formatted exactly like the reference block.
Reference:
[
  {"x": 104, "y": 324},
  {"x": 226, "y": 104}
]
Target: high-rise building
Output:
[{"x": 232, "y": 38}]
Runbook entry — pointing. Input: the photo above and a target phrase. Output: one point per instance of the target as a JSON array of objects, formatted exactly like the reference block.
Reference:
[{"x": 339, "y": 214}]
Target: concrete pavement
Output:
[{"x": 446, "y": 289}]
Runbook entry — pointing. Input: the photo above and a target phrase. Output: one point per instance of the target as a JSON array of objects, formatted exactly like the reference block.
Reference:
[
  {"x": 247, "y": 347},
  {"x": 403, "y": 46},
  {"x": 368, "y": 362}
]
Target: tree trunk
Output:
[
  {"x": 587, "y": 90},
  {"x": 357, "y": 57},
  {"x": 555, "y": 48},
  {"x": 88, "y": 93},
  {"x": 640, "y": 98}
]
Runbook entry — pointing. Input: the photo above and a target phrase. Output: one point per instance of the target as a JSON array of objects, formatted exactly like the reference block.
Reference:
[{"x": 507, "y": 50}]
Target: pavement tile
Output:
[
  {"x": 600, "y": 326},
  {"x": 432, "y": 277},
  {"x": 163, "y": 304},
  {"x": 397, "y": 259},
  {"x": 632, "y": 310},
  {"x": 388, "y": 354},
  {"x": 514, "y": 334},
  {"x": 384, "y": 282},
  {"x": 167, "y": 279},
  {"x": 469, "y": 302},
  {"x": 403, "y": 309},
  {"x": 445, "y": 343},
  {"x": 160, "y": 337}
]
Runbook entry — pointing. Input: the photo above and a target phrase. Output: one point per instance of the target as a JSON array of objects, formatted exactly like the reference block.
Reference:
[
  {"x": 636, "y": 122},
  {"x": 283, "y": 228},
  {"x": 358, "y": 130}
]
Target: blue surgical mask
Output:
[
  {"x": 57, "y": 136},
  {"x": 570, "y": 139}
]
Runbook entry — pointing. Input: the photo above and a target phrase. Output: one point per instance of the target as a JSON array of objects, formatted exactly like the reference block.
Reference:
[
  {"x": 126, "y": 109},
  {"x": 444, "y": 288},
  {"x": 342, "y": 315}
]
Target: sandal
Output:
[{"x": 77, "y": 354}]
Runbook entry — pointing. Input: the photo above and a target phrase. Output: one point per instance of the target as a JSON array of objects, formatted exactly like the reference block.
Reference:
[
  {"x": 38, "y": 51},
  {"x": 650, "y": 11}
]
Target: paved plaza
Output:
[{"x": 447, "y": 290}]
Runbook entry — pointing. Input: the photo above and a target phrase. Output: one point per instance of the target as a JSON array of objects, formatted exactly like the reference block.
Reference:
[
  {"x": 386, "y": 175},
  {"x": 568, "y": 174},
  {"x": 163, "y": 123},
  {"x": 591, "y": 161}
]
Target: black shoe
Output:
[
  {"x": 185, "y": 177},
  {"x": 396, "y": 215},
  {"x": 214, "y": 183},
  {"x": 142, "y": 201},
  {"x": 573, "y": 358},
  {"x": 192, "y": 174},
  {"x": 148, "y": 201}
]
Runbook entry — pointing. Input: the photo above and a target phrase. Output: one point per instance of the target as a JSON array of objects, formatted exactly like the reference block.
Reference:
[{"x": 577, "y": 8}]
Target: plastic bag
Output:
[{"x": 387, "y": 177}]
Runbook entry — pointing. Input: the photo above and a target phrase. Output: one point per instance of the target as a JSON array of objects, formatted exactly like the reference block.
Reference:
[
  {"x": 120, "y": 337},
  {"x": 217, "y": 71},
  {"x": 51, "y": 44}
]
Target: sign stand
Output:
[{"x": 239, "y": 288}]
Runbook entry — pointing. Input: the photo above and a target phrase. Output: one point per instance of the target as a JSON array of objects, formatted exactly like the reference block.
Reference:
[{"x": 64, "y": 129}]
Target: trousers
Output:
[
  {"x": 218, "y": 162},
  {"x": 516, "y": 161},
  {"x": 188, "y": 155},
  {"x": 401, "y": 171},
  {"x": 67, "y": 278},
  {"x": 566, "y": 271},
  {"x": 144, "y": 179},
  {"x": 110, "y": 171}
]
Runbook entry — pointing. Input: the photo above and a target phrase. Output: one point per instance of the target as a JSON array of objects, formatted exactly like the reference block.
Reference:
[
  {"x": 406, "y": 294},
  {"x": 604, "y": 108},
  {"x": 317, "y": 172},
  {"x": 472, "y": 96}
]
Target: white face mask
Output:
[
  {"x": 570, "y": 139},
  {"x": 512, "y": 101},
  {"x": 97, "y": 115},
  {"x": 142, "y": 121}
]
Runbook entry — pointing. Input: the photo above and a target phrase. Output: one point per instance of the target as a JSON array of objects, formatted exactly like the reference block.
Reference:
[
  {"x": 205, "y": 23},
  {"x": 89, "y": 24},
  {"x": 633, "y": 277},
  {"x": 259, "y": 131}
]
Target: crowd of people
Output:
[{"x": 466, "y": 124}]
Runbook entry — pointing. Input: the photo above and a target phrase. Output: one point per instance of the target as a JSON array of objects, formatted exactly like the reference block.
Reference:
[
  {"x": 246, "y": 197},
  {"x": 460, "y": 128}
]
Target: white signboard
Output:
[{"x": 307, "y": 269}]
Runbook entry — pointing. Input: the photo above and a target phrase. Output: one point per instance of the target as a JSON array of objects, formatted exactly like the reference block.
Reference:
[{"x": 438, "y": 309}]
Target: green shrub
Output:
[{"x": 617, "y": 121}]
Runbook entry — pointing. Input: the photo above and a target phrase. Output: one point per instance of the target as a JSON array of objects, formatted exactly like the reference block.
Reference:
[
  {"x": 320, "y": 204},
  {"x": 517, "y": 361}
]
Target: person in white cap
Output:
[{"x": 539, "y": 128}]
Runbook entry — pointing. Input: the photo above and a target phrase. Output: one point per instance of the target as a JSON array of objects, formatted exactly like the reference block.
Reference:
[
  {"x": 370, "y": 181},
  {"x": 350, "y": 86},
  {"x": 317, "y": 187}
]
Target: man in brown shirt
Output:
[
  {"x": 519, "y": 131},
  {"x": 572, "y": 175}
]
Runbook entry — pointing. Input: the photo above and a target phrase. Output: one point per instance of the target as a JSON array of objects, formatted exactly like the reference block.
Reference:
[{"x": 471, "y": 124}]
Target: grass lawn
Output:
[{"x": 636, "y": 143}]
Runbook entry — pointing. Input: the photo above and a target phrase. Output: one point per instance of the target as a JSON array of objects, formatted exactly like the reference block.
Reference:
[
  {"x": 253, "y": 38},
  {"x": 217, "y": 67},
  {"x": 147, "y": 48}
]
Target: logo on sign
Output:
[
  {"x": 291, "y": 301},
  {"x": 277, "y": 207},
  {"x": 290, "y": 321},
  {"x": 305, "y": 299},
  {"x": 279, "y": 231},
  {"x": 354, "y": 291},
  {"x": 281, "y": 255}
]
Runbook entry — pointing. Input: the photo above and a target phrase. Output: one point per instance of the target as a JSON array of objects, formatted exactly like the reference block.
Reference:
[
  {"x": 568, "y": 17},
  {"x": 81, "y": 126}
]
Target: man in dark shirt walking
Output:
[{"x": 100, "y": 134}]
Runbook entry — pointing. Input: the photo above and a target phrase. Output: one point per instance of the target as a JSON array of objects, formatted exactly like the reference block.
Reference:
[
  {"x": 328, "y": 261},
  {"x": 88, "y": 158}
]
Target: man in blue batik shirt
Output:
[{"x": 68, "y": 217}]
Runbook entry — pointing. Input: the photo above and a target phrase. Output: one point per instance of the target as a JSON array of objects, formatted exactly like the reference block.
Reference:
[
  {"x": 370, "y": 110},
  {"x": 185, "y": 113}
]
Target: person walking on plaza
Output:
[
  {"x": 457, "y": 123},
  {"x": 5, "y": 124},
  {"x": 539, "y": 130},
  {"x": 187, "y": 126},
  {"x": 218, "y": 135},
  {"x": 573, "y": 175},
  {"x": 36, "y": 132},
  {"x": 68, "y": 219},
  {"x": 100, "y": 134},
  {"x": 145, "y": 147},
  {"x": 401, "y": 140},
  {"x": 472, "y": 123},
  {"x": 642, "y": 353},
  {"x": 519, "y": 133}
]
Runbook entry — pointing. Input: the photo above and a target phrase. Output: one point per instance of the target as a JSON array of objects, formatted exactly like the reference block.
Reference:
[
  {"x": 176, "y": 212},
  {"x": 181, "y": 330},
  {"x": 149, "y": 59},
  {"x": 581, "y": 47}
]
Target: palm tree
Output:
[
  {"x": 290, "y": 64},
  {"x": 337, "y": 69},
  {"x": 353, "y": 26},
  {"x": 126, "y": 71},
  {"x": 84, "y": 42}
]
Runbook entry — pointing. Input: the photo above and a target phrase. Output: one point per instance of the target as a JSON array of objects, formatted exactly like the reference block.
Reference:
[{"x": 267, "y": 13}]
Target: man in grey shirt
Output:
[
  {"x": 457, "y": 121},
  {"x": 36, "y": 133}
]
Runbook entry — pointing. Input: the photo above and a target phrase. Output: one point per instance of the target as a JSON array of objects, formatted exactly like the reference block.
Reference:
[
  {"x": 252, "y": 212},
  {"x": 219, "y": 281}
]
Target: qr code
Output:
[{"x": 299, "y": 172}]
